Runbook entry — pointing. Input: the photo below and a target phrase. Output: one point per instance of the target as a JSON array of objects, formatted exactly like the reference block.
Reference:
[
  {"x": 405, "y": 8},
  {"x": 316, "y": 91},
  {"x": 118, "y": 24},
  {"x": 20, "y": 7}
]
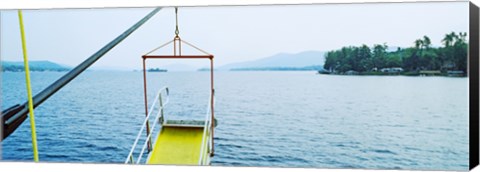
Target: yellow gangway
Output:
[
  {"x": 177, "y": 145},
  {"x": 178, "y": 142}
]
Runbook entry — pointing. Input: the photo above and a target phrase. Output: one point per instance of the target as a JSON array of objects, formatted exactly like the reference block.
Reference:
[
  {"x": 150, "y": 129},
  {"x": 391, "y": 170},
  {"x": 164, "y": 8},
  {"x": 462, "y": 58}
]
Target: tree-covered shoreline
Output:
[
  {"x": 35, "y": 66},
  {"x": 422, "y": 58}
]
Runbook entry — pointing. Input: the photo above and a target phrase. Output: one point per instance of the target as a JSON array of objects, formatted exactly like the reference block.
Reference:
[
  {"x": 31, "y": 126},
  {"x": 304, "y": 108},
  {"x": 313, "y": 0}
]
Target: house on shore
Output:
[
  {"x": 351, "y": 72},
  {"x": 455, "y": 73},
  {"x": 392, "y": 70},
  {"x": 430, "y": 72}
]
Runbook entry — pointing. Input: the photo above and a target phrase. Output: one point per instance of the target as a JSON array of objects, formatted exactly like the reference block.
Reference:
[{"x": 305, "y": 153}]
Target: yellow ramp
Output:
[{"x": 177, "y": 145}]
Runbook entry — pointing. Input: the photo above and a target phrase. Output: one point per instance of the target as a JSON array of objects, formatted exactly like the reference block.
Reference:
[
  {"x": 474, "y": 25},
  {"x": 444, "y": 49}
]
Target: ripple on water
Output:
[{"x": 314, "y": 124}]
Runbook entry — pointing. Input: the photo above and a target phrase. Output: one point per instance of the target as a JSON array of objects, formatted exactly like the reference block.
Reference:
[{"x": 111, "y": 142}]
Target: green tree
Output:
[
  {"x": 449, "y": 38},
  {"x": 418, "y": 44},
  {"x": 331, "y": 60},
  {"x": 379, "y": 56},
  {"x": 460, "y": 52},
  {"x": 426, "y": 42},
  {"x": 452, "y": 56}
]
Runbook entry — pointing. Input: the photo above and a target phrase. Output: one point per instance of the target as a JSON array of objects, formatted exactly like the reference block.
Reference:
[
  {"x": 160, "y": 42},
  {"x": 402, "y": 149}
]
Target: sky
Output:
[{"x": 231, "y": 34}]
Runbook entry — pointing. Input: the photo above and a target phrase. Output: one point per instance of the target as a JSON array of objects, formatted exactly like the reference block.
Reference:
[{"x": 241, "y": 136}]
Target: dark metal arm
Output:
[{"x": 14, "y": 116}]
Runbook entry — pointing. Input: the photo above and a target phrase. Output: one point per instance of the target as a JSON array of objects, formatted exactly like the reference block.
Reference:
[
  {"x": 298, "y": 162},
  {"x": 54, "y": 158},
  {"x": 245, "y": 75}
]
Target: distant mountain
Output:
[
  {"x": 305, "y": 68},
  {"x": 33, "y": 66},
  {"x": 282, "y": 61}
]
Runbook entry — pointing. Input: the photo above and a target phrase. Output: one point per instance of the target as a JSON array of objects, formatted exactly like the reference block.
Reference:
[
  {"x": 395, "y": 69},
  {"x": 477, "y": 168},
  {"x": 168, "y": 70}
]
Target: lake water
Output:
[{"x": 281, "y": 119}]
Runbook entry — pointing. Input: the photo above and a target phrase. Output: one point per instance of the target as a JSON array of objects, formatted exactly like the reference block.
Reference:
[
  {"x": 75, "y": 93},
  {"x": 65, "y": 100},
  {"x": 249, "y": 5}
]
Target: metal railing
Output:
[
  {"x": 207, "y": 136},
  {"x": 159, "y": 116},
  {"x": 206, "y": 147}
]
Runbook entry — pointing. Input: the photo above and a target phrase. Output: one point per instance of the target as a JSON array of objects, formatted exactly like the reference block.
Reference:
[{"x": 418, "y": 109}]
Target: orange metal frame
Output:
[{"x": 175, "y": 56}]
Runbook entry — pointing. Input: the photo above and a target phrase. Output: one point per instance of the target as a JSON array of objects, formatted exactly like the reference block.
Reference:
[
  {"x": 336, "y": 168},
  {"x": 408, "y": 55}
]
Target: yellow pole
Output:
[{"x": 29, "y": 88}]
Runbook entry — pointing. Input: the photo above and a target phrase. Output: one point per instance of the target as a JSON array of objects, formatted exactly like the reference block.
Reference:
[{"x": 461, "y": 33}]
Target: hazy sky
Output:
[{"x": 232, "y": 34}]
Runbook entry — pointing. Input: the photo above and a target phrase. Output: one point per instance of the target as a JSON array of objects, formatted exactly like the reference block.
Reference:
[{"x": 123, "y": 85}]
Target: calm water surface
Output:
[{"x": 283, "y": 119}]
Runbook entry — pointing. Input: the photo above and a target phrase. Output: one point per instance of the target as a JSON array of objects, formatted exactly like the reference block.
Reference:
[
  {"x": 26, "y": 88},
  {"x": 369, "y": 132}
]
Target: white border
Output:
[
  {"x": 74, "y": 167},
  {"x": 55, "y": 4},
  {"x": 50, "y": 4}
]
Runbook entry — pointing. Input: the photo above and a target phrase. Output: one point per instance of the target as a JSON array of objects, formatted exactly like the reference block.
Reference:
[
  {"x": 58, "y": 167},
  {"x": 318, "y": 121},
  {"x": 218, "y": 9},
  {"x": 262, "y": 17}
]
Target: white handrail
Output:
[
  {"x": 148, "y": 138},
  {"x": 130, "y": 155},
  {"x": 207, "y": 127},
  {"x": 214, "y": 125}
]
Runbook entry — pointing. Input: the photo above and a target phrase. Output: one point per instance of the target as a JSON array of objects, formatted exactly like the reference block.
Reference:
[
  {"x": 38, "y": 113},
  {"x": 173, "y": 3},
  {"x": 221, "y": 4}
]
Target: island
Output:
[
  {"x": 156, "y": 70},
  {"x": 35, "y": 66},
  {"x": 420, "y": 60}
]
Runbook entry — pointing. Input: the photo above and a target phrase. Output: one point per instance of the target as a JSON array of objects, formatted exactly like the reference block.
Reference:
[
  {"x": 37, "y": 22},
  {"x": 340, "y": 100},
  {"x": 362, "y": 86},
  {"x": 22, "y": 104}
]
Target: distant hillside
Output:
[
  {"x": 283, "y": 61},
  {"x": 306, "y": 68},
  {"x": 34, "y": 66}
]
